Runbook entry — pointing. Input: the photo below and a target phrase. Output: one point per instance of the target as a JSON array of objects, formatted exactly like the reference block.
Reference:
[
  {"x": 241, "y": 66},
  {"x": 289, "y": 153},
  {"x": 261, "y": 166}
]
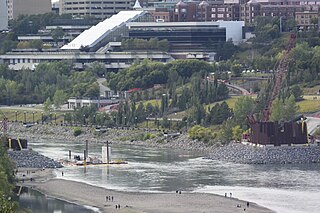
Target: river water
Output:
[
  {"x": 283, "y": 188},
  {"x": 39, "y": 203}
]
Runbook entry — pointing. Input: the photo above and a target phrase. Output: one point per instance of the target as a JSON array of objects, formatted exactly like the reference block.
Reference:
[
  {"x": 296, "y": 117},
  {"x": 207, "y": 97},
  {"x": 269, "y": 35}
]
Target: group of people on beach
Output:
[
  {"x": 110, "y": 198},
  {"x": 226, "y": 194}
]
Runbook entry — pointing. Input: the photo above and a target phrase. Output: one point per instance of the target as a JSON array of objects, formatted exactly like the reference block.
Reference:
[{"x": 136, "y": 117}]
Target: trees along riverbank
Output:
[{"x": 7, "y": 179}]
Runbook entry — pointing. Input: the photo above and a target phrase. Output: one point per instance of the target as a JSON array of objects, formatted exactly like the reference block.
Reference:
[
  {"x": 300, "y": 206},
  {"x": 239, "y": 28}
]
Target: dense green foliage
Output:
[
  {"x": 56, "y": 80},
  {"x": 6, "y": 182},
  {"x": 142, "y": 44},
  {"x": 146, "y": 74},
  {"x": 284, "y": 110},
  {"x": 198, "y": 132},
  {"x": 77, "y": 131}
]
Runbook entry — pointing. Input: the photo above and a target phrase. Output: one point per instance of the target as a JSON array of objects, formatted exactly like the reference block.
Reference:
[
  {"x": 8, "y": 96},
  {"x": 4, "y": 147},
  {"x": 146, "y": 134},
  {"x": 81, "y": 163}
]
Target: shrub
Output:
[
  {"x": 198, "y": 132},
  {"x": 77, "y": 131}
]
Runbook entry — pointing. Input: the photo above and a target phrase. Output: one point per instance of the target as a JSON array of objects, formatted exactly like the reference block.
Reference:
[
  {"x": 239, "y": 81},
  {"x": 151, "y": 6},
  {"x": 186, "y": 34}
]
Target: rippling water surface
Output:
[{"x": 283, "y": 188}]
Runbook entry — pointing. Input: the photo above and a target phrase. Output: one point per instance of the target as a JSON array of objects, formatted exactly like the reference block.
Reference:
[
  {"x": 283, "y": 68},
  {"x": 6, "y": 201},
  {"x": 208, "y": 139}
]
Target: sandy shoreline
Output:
[{"x": 85, "y": 194}]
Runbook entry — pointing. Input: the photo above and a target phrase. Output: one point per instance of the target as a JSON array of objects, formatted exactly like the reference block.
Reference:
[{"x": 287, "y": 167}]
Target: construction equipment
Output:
[
  {"x": 15, "y": 144},
  {"x": 4, "y": 125},
  {"x": 279, "y": 78},
  {"x": 265, "y": 132}
]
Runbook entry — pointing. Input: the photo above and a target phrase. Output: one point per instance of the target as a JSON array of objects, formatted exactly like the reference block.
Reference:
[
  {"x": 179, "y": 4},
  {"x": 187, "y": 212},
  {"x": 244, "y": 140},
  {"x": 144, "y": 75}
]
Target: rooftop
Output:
[{"x": 95, "y": 34}]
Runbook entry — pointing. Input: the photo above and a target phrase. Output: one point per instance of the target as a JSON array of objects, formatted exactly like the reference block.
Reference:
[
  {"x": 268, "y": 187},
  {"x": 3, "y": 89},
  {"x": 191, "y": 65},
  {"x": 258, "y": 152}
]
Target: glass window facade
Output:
[{"x": 183, "y": 38}]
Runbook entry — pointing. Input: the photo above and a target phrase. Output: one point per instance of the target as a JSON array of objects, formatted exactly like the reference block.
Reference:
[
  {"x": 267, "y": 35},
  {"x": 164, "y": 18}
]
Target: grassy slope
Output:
[{"x": 309, "y": 105}]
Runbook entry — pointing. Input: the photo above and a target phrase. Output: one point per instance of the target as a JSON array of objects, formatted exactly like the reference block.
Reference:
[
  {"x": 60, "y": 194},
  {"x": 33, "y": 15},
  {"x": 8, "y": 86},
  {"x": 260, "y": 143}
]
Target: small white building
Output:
[{"x": 87, "y": 102}]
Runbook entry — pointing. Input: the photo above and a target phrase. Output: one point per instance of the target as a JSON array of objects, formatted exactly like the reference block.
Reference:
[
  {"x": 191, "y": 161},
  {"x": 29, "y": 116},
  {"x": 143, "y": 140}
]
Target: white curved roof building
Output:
[{"x": 108, "y": 30}]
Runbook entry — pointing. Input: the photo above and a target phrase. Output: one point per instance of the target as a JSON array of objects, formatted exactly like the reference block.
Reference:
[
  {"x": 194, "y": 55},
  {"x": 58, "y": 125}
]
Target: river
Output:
[{"x": 283, "y": 188}]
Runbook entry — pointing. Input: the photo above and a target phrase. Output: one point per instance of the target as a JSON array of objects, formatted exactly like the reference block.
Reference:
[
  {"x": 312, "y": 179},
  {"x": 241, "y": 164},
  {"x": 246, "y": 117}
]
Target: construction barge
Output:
[
  {"x": 86, "y": 160},
  {"x": 15, "y": 144}
]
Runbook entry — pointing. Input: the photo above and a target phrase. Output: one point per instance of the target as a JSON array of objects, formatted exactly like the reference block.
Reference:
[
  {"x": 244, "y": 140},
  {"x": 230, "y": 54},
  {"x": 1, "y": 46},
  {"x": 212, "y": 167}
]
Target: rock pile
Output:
[
  {"x": 239, "y": 153},
  {"x": 32, "y": 159}
]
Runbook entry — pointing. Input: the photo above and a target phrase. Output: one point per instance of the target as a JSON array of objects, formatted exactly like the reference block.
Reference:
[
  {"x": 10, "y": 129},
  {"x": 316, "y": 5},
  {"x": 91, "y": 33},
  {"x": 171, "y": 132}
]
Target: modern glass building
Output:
[{"x": 182, "y": 36}]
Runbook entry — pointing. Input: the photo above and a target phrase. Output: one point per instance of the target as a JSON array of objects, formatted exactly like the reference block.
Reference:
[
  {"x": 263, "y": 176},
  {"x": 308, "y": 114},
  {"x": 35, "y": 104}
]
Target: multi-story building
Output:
[
  {"x": 307, "y": 20},
  {"x": 182, "y": 36},
  {"x": 28, "y": 7},
  {"x": 249, "y": 11},
  {"x": 3, "y": 15},
  {"x": 230, "y": 10},
  {"x": 100, "y": 9},
  {"x": 205, "y": 11}
]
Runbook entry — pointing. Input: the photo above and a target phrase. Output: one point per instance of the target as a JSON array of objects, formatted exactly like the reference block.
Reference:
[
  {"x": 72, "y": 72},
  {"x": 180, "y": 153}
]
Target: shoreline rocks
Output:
[
  {"x": 32, "y": 159},
  {"x": 245, "y": 154},
  {"x": 115, "y": 135},
  {"x": 233, "y": 152}
]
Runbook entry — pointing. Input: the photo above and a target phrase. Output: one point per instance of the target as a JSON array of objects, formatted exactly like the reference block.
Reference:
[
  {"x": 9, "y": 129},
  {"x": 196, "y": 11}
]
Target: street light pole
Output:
[
  {"x": 32, "y": 117},
  {"x": 25, "y": 118},
  {"x": 16, "y": 116},
  {"x": 147, "y": 123}
]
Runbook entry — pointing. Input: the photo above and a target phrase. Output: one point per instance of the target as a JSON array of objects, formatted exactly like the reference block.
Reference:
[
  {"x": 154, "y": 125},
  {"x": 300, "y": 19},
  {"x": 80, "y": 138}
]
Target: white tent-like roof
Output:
[{"x": 89, "y": 38}]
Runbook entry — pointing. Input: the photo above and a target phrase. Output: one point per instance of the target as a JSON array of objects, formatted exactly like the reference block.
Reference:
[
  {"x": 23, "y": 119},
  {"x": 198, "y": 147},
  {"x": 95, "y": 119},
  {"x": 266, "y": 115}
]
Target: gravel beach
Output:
[{"x": 85, "y": 194}]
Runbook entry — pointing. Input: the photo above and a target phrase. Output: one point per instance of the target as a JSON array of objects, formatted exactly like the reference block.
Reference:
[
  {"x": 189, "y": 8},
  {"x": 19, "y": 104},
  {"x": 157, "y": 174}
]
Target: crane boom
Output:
[
  {"x": 279, "y": 77},
  {"x": 4, "y": 124}
]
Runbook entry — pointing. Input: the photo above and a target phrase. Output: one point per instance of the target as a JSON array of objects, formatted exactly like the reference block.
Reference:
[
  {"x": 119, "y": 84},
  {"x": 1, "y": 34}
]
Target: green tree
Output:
[
  {"x": 47, "y": 106},
  {"x": 277, "y": 113},
  {"x": 6, "y": 182},
  {"x": 57, "y": 34},
  {"x": 36, "y": 44},
  {"x": 59, "y": 98},
  {"x": 236, "y": 70},
  {"x": 297, "y": 92},
  {"x": 284, "y": 110},
  {"x": 243, "y": 107},
  {"x": 237, "y": 133},
  {"x": 291, "y": 108},
  {"x": 11, "y": 91}
]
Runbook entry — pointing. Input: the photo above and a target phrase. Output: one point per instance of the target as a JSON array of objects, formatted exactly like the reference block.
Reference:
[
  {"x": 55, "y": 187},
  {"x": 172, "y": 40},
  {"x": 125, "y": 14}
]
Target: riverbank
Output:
[
  {"x": 246, "y": 154},
  {"x": 133, "y": 136},
  {"x": 85, "y": 194}
]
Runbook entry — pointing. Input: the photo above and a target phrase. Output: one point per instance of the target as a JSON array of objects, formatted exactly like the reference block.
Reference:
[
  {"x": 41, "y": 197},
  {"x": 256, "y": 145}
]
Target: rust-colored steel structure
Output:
[
  {"x": 277, "y": 134},
  {"x": 266, "y": 132}
]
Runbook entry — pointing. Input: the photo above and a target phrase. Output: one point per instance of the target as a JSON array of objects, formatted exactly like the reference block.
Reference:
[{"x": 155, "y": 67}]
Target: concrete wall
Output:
[
  {"x": 3, "y": 15},
  {"x": 234, "y": 30}
]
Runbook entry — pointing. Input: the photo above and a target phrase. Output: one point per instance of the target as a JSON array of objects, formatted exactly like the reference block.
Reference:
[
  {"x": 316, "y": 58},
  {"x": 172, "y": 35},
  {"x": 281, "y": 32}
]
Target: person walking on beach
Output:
[
  {"x": 247, "y": 204},
  {"x": 112, "y": 198},
  {"x": 62, "y": 174},
  {"x": 106, "y": 198},
  {"x": 230, "y": 194},
  {"x": 225, "y": 194}
]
